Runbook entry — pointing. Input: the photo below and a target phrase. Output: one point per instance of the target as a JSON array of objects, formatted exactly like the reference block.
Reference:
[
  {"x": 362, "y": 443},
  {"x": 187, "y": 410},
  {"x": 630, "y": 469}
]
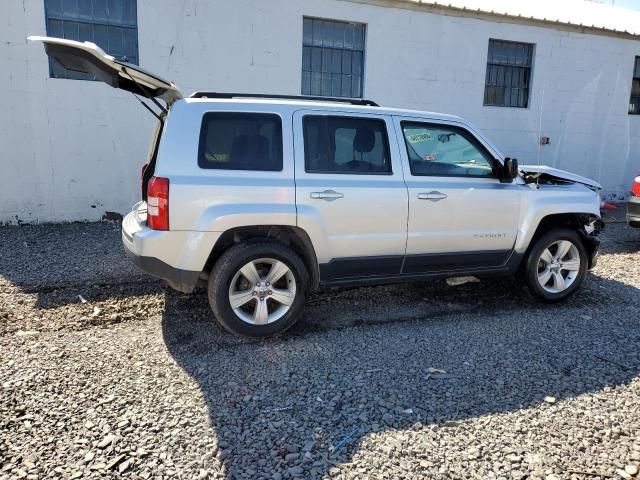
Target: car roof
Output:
[{"x": 333, "y": 105}]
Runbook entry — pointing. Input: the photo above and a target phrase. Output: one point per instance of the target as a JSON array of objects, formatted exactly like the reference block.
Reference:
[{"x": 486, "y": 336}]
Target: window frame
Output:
[
  {"x": 202, "y": 139},
  {"x": 332, "y": 47},
  {"x": 386, "y": 140},
  {"x": 466, "y": 133},
  {"x": 93, "y": 22},
  {"x": 529, "y": 68},
  {"x": 636, "y": 66}
]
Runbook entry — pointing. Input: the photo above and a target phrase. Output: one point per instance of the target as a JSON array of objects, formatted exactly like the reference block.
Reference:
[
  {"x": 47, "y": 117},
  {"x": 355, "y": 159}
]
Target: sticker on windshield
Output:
[
  {"x": 419, "y": 137},
  {"x": 430, "y": 157}
]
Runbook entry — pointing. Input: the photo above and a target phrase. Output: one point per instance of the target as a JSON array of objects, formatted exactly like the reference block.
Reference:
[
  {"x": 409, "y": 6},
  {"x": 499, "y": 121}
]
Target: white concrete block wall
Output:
[{"x": 72, "y": 150}]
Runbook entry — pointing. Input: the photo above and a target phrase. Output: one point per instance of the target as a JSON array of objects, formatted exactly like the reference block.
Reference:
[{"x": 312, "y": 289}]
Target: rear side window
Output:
[
  {"x": 346, "y": 145},
  {"x": 241, "y": 141}
]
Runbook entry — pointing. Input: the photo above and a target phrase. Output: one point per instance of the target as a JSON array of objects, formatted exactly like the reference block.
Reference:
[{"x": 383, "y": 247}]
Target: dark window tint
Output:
[
  {"x": 440, "y": 150},
  {"x": 241, "y": 141},
  {"x": 508, "y": 74},
  {"x": 634, "y": 101},
  {"x": 345, "y": 145},
  {"x": 110, "y": 24},
  {"x": 332, "y": 58}
]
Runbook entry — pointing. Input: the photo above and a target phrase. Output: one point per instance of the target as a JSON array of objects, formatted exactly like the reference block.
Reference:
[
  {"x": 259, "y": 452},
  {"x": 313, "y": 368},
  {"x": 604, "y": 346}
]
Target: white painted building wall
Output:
[{"x": 72, "y": 150}]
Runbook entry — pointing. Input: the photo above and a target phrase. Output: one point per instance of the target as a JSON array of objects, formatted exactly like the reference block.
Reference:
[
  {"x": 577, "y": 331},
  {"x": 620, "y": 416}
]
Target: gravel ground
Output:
[{"x": 105, "y": 373}]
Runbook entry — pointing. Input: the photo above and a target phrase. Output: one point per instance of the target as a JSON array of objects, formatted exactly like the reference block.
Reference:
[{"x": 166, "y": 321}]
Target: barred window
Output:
[
  {"x": 332, "y": 58},
  {"x": 110, "y": 24},
  {"x": 634, "y": 101},
  {"x": 508, "y": 74}
]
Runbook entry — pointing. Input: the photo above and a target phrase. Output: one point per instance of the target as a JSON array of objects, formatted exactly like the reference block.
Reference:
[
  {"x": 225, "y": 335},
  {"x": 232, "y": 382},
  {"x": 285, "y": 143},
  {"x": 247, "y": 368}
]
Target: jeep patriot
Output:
[{"x": 263, "y": 199}]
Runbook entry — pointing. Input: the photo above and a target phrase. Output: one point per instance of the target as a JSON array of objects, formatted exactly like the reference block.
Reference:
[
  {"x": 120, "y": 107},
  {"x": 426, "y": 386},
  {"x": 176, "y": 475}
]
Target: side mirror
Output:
[{"x": 509, "y": 170}]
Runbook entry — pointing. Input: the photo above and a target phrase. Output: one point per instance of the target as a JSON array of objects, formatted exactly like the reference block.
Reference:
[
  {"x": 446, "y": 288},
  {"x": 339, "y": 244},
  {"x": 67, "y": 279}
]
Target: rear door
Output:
[
  {"x": 87, "y": 57},
  {"x": 461, "y": 217},
  {"x": 350, "y": 192}
]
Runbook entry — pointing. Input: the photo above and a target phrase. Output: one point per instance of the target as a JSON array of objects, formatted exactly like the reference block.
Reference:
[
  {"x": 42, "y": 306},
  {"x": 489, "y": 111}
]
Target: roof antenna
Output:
[{"x": 544, "y": 86}]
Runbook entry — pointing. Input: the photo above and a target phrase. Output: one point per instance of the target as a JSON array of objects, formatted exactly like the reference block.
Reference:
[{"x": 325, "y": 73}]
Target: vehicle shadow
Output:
[{"x": 360, "y": 359}]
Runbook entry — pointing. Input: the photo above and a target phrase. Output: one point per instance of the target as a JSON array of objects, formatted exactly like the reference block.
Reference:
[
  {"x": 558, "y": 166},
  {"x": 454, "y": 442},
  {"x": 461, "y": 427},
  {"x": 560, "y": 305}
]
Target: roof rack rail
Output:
[{"x": 352, "y": 101}]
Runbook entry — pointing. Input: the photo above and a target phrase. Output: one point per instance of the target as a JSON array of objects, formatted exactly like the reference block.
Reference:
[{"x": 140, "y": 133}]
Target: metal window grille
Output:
[
  {"x": 508, "y": 74},
  {"x": 110, "y": 24},
  {"x": 634, "y": 101},
  {"x": 332, "y": 58}
]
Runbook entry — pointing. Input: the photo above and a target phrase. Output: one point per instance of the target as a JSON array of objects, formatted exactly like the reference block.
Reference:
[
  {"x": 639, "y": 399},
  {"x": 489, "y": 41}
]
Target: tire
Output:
[
  {"x": 538, "y": 267},
  {"x": 230, "y": 279}
]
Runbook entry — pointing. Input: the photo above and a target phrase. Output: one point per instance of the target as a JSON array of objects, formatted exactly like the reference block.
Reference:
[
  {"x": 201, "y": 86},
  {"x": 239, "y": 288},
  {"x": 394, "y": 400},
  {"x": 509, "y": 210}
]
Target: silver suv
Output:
[{"x": 265, "y": 199}]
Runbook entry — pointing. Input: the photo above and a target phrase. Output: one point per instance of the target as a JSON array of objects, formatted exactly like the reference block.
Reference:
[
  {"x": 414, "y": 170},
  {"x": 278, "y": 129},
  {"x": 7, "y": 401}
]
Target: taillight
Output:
[
  {"x": 635, "y": 188},
  {"x": 158, "y": 203}
]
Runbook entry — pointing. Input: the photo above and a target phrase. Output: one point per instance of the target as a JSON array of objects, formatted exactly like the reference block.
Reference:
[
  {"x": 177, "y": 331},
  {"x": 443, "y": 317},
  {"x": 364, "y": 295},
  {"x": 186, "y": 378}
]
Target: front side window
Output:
[
  {"x": 440, "y": 150},
  {"x": 345, "y": 145},
  {"x": 634, "y": 101},
  {"x": 508, "y": 74},
  {"x": 110, "y": 24},
  {"x": 241, "y": 141},
  {"x": 332, "y": 58}
]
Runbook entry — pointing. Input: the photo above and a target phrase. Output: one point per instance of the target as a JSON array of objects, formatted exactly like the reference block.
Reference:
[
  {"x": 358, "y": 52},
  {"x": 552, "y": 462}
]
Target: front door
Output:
[
  {"x": 350, "y": 192},
  {"x": 461, "y": 217}
]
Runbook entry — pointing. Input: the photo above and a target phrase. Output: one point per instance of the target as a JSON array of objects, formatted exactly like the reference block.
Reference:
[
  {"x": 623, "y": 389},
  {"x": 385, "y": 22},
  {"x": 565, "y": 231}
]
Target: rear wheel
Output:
[
  {"x": 258, "y": 289},
  {"x": 556, "y": 265}
]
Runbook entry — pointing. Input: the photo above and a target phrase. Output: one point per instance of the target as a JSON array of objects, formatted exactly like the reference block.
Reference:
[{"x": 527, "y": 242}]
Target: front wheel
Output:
[
  {"x": 258, "y": 289},
  {"x": 556, "y": 265}
]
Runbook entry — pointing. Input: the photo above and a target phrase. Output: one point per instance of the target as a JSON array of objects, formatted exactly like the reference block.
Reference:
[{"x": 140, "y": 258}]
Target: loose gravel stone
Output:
[
  {"x": 623, "y": 473},
  {"x": 175, "y": 395},
  {"x": 106, "y": 441},
  {"x": 631, "y": 469}
]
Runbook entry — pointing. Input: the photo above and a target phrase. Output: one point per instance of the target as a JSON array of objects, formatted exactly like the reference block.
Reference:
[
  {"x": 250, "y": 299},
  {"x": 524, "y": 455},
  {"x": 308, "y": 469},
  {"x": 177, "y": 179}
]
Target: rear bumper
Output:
[
  {"x": 633, "y": 211},
  {"x": 175, "y": 256}
]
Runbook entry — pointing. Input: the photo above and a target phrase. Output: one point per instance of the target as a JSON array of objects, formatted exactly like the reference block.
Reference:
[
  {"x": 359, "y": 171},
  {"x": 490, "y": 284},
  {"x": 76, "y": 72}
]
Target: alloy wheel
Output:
[
  {"x": 558, "y": 266},
  {"x": 262, "y": 291}
]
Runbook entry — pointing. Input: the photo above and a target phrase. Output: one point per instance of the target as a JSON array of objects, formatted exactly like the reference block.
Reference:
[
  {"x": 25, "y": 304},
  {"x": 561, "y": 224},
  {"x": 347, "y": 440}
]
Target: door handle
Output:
[
  {"x": 328, "y": 195},
  {"x": 433, "y": 196}
]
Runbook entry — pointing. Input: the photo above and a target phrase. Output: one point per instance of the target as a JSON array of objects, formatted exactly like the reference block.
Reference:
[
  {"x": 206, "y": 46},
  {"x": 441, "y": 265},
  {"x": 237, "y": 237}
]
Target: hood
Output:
[{"x": 543, "y": 172}]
